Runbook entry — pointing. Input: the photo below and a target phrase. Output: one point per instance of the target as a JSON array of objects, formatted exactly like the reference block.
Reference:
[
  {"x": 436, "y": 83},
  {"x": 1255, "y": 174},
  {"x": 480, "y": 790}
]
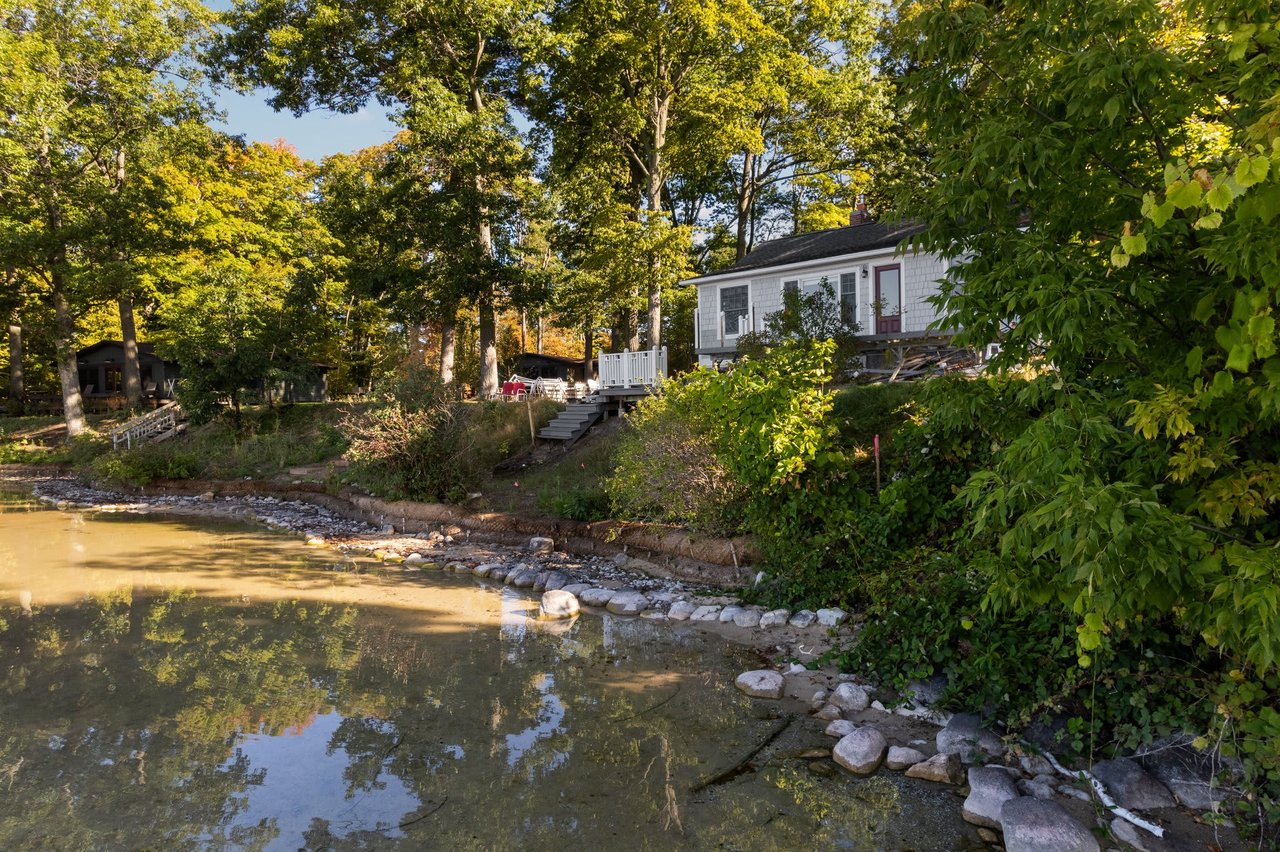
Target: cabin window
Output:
[
  {"x": 733, "y": 306},
  {"x": 849, "y": 298}
]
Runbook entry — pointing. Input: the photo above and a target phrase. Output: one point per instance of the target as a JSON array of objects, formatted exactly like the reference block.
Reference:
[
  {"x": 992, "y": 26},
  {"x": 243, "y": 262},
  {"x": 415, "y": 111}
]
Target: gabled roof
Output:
[
  {"x": 147, "y": 349},
  {"x": 815, "y": 245}
]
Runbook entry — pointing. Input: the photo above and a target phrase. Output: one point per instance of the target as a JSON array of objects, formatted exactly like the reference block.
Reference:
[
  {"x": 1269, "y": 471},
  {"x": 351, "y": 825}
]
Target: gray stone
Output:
[
  {"x": 1031, "y": 825},
  {"x": 925, "y": 693},
  {"x": 654, "y": 615},
  {"x": 901, "y": 757},
  {"x": 762, "y": 683},
  {"x": 596, "y": 596},
  {"x": 775, "y": 618},
  {"x": 989, "y": 789},
  {"x": 705, "y": 613},
  {"x": 851, "y": 697},
  {"x": 484, "y": 569},
  {"x": 681, "y": 610},
  {"x": 727, "y": 614},
  {"x": 557, "y": 580},
  {"x": 1187, "y": 772},
  {"x": 541, "y": 544},
  {"x": 802, "y": 619},
  {"x": 577, "y": 588},
  {"x": 841, "y": 728},
  {"x": 831, "y": 617},
  {"x": 941, "y": 768},
  {"x": 747, "y": 618},
  {"x": 1034, "y": 764},
  {"x": 455, "y": 567},
  {"x": 627, "y": 602},
  {"x": 1131, "y": 786},
  {"x": 861, "y": 752},
  {"x": 829, "y": 713},
  {"x": 1037, "y": 789},
  {"x": 965, "y": 736},
  {"x": 497, "y": 573},
  {"x": 621, "y": 559},
  {"x": 540, "y": 581},
  {"x": 877, "y": 705},
  {"x": 412, "y": 559},
  {"x": 524, "y": 579},
  {"x": 558, "y": 603},
  {"x": 1074, "y": 792},
  {"x": 1134, "y": 837}
]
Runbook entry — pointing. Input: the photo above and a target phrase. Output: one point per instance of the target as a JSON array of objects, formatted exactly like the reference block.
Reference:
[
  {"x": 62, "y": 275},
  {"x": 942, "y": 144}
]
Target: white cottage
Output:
[{"x": 881, "y": 287}]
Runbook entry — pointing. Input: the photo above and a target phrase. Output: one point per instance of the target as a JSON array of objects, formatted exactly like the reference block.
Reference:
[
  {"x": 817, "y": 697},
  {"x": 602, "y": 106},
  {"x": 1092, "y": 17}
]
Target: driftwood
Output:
[{"x": 1107, "y": 801}]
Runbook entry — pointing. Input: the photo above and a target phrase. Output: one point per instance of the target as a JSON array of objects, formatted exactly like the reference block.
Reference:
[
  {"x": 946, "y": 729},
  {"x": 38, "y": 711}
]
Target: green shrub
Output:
[
  {"x": 144, "y": 465},
  {"x": 666, "y": 467},
  {"x": 421, "y": 443}
]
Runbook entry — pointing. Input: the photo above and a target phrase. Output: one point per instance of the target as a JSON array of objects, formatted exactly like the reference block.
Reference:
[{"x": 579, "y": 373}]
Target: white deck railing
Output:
[
  {"x": 626, "y": 369},
  {"x": 146, "y": 426}
]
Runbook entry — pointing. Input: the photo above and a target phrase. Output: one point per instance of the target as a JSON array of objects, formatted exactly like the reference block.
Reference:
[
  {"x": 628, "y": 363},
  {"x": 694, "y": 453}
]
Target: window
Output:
[
  {"x": 849, "y": 298},
  {"x": 790, "y": 287},
  {"x": 733, "y": 307}
]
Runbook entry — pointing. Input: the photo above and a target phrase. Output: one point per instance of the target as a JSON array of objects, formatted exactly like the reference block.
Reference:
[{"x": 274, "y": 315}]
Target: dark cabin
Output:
[
  {"x": 312, "y": 385},
  {"x": 532, "y": 365},
  {"x": 102, "y": 371}
]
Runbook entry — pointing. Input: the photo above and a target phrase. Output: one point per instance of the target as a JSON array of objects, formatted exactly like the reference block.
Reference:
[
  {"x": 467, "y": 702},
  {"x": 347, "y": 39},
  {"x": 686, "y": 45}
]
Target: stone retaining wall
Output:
[{"x": 670, "y": 551}]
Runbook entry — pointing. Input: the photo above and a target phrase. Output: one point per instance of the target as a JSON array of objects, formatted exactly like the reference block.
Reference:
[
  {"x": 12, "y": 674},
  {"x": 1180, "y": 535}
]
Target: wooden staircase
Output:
[
  {"x": 572, "y": 423},
  {"x": 152, "y": 427}
]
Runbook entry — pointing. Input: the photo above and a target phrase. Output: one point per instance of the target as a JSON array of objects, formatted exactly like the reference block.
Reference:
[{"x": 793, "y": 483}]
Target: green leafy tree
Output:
[
  {"x": 451, "y": 71},
  {"x": 1104, "y": 174},
  {"x": 80, "y": 84}
]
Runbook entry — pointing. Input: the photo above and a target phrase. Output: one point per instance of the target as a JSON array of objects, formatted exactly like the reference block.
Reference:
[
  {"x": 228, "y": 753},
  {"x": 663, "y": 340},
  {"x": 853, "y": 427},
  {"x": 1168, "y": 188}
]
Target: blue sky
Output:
[{"x": 316, "y": 134}]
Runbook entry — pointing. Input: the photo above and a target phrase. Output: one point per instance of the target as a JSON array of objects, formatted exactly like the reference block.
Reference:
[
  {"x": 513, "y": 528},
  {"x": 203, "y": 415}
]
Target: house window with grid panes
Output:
[
  {"x": 849, "y": 298},
  {"x": 733, "y": 306}
]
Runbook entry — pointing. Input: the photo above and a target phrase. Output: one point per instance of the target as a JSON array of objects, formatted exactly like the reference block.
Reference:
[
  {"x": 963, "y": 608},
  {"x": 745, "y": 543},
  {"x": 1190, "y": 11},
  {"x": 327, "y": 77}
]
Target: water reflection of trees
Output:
[{"x": 124, "y": 716}]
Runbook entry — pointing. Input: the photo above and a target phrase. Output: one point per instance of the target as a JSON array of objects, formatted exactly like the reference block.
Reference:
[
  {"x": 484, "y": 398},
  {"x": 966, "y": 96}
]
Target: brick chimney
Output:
[{"x": 859, "y": 214}]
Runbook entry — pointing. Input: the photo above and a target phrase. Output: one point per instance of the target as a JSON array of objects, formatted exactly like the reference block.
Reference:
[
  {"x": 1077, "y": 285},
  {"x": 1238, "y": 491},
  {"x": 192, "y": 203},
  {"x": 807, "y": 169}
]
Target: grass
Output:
[
  {"x": 570, "y": 486},
  {"x": 271, "y": 441}
]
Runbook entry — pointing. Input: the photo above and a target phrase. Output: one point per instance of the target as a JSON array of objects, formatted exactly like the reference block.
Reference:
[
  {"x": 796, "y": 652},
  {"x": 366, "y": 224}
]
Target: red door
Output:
[{"x": 888, "y": 299}]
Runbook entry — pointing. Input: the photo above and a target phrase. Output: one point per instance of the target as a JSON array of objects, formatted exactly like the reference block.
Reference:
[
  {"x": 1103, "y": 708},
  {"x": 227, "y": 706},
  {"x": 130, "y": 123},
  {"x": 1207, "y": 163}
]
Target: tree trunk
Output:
[
  {"x": 488, "y": 323},
  {"x": 524, "y": 331},
  {"x": 16, "y": 389},
  {"x": 488, "y": 347},
  {"x": 132, "y": 372},
  {"x": 448, "y": 349},
  {"x": 746, "y": 190},
  {"x": 588, "y": 345},
  {"x": 539, "y": 335},
  {"x": 661, "y": 110},
  {"x": 65, "y": 346}
]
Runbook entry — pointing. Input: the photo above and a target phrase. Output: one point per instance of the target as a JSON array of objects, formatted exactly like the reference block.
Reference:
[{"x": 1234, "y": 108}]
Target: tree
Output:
[
  {"x": 80, "y": 83},
  {"x": 451, "y": 71},
  {"x": 1104, "y": 174},
  {"x": 253, "y": 296}
]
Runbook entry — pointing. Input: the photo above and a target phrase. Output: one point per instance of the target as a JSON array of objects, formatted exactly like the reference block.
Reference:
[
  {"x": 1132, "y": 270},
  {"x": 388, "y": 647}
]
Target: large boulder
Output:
[
  {"x": 841, "y": 728},
  {"x": 941, "y": 769},
  {"x": 862, "y": 751},
  {"x": 557, "y": 603},
  {"x": 1132, "y": 786},
  {"x": 1188, "y": 772},
  {"x": 762, "y": 683},
  {"x": 596, "y": 596},
  {"x": 749, "y": 617},
  {"x": 1031, "y": 825},
  {"x": 626, "y": 602},
  {"x": 727, "y": 614},
  {"x": 681, "y": 610},
  {"x": 775, "y": 618},
  {"x": 901, "y": 757},
  {"x": 965, "y": 736},
  {"x": 557, "y": 580},
  {"x": 705, "y": 613},
  {"x": 989, "y": 788},
  {"x": 851, "y": 697},
  {"x": 804, "y": 618},
  {"x": 831, "y": 617}
]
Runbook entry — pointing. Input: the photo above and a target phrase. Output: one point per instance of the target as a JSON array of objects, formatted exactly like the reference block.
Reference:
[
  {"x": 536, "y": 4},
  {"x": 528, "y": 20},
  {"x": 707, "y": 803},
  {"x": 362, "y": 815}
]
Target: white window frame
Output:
[{"x": 719, "y": 306}]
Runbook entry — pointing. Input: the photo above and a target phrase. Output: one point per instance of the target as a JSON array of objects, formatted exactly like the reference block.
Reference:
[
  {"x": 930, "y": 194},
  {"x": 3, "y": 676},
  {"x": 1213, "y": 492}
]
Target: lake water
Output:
[{"x": 172, "y": 684}]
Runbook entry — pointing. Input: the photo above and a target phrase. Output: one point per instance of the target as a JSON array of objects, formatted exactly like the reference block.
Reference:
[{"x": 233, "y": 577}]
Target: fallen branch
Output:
[
  {"x": 654, "y": 707},
  {"x": 410, "y": 822},
  {"x": 1107, "y": 801},
  {"x": 741, "y": 766}
]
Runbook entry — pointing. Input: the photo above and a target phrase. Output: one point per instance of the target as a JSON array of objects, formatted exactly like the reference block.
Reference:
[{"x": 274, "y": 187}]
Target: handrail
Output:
[
  {"x": 146, "y": 425},
  {"x": 626, "y": 369}
]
